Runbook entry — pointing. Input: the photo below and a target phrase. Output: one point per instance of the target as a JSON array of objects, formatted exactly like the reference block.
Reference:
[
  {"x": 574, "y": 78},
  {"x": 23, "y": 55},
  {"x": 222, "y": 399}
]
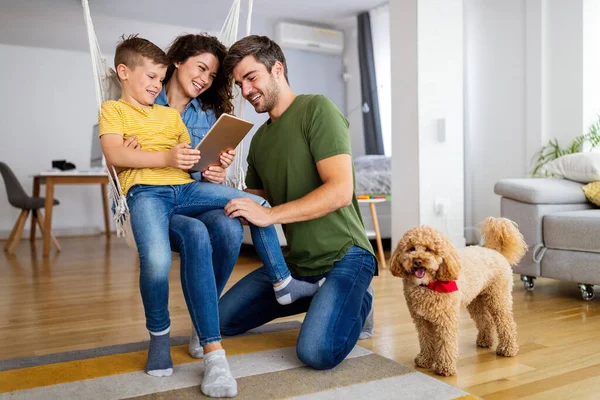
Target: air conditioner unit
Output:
[{"x": 311, "y": 38}]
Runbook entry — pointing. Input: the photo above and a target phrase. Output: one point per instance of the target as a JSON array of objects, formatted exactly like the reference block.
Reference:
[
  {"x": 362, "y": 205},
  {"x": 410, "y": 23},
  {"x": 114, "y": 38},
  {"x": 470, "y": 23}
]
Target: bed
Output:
[{"x": 373, "y": 174}]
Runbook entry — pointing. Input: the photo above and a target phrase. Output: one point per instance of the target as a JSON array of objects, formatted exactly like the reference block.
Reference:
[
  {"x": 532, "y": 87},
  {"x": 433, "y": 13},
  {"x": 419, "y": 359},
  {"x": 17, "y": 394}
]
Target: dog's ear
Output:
[
  {"x": 450, "y": 266},
  {"x": 396, "y": 260}
]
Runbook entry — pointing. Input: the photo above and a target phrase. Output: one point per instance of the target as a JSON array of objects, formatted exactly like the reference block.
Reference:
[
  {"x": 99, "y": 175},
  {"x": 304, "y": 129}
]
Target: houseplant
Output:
[{"x": 552, "y": 150}]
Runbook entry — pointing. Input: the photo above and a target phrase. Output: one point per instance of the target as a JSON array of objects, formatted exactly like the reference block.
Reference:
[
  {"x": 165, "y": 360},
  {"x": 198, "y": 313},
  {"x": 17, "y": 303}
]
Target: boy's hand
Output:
[
  {"x": 182, "y": 156},
  {"x": 227, "y": 158},
  {"x": 131, "y": 142},
  {"x": 214, "y": 174}
]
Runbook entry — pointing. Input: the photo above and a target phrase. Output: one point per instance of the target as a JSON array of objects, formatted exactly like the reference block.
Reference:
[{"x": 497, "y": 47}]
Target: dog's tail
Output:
[{"x": 502, "y": 235}]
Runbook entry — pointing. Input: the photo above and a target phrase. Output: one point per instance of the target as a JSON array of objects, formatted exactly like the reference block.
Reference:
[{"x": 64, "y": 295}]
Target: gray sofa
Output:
[{"x": 561, "y": 228}]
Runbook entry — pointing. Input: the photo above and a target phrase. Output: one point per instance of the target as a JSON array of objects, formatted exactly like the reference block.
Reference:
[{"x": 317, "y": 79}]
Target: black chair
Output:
[{"x": 19, "y": 199}]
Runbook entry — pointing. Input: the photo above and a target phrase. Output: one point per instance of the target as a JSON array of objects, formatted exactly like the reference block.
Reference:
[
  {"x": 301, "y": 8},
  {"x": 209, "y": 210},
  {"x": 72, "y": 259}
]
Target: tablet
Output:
[{"x": 224, "y": 135}]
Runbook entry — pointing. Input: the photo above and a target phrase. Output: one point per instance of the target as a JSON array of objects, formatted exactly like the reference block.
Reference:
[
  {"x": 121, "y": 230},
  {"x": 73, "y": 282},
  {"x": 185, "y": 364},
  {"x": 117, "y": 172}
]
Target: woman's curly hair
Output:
[{"x": 219, "y": 96}]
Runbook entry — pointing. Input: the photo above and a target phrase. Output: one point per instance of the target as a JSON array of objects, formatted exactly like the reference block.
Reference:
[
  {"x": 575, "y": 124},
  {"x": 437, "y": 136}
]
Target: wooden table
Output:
[
  {"x": 372, "y": 203},
  {"x": 50, "y": 179}
]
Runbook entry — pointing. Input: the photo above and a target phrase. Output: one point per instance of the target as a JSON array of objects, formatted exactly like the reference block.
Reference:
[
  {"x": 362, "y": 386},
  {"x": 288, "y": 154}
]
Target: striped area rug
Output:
[{"x": 265, "y": 366}]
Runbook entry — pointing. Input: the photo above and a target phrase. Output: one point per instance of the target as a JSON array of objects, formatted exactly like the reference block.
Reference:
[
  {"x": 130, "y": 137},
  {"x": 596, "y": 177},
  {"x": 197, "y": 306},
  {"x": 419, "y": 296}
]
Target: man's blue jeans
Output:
[
  {"x": 151, "y": 208},
  {"x": 334, "y": 316}
]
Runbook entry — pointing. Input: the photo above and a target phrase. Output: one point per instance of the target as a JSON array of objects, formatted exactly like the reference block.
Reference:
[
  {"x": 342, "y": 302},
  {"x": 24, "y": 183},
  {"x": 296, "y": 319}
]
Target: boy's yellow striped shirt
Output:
[{"x": 157, "y": 128}]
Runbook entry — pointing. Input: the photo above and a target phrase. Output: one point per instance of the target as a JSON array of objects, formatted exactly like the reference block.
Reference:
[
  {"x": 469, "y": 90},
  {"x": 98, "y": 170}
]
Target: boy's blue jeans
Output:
[
  {"x": 151, "y": 208},
  {"x": 334, "y": 316}
]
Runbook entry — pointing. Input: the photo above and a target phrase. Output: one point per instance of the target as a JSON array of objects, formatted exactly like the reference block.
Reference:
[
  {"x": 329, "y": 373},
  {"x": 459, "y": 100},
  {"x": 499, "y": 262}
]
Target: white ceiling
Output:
[
  {"x": 207, "y": 12},
  {"x": 60, "y": 24}
]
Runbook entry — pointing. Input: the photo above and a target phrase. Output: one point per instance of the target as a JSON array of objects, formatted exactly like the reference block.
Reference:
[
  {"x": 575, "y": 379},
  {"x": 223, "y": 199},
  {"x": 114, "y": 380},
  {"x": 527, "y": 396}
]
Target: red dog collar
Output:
[{"x": 443, "y": 286}]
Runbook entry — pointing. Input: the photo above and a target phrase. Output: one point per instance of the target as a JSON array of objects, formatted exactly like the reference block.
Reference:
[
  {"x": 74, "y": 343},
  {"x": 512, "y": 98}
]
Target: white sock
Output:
[
  {"x": 218, "y": 380},
  {"x": 367, "y": 330},
  {"x": 194, "y": 347},
  {"x": 292, "y": 289}
]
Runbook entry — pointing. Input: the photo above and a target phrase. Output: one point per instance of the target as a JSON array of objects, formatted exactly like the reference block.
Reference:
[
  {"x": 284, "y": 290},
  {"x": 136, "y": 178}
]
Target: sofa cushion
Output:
[
  {"x": 573, "y": 230},
  {"x": 579, "y": 167},
  {"x": 592, "y": 192},
  {"x": 541, "y": 190}
]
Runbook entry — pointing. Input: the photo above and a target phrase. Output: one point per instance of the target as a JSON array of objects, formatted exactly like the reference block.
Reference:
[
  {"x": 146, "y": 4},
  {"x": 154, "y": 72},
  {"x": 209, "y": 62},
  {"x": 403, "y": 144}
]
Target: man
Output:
[{"x": 300, "y": 161}]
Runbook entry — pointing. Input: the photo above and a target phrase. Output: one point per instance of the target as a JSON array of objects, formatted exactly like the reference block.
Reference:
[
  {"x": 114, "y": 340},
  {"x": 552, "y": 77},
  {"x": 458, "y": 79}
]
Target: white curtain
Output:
[{"x": 380, "y": 32}]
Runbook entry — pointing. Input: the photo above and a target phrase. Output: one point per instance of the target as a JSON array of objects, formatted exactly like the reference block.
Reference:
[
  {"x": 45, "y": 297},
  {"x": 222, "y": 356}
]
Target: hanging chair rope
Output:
[{"x": 107, "y": 87}]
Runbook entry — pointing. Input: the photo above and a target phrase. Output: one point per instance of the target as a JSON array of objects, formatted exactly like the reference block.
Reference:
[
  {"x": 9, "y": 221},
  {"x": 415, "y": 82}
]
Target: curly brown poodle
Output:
[{"x": 439, "y": 279}]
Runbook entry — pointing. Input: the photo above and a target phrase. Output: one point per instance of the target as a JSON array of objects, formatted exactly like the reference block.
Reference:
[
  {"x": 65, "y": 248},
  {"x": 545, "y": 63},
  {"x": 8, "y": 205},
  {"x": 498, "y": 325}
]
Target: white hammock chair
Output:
[{"x": 107, "y": 87}]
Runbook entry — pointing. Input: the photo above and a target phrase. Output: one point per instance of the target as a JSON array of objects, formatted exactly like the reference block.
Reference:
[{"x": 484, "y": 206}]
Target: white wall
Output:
[
  {"x": 494, "y": 102},
  {"x": 563, "y": 63},
  {"x": 440, "y": 59},
  {"x": 591, "y": 62},
  {"x": 61, "y": 28},
  {"x": 427, "y": 85},
  {"x": 532, "y": 72},
  {"x": 47, "y": 114},
  {"x": 406, "y": 204}
]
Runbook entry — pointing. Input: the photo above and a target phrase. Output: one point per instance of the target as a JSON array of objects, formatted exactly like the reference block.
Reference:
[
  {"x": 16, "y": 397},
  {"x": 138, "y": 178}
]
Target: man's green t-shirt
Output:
[{"x": 282, "y": 161}]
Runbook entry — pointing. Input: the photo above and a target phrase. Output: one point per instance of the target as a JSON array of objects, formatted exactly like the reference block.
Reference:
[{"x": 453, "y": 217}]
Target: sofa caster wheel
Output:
[
  {"x": 587, "y": 291},
  {"x": 528, "y": 282}
]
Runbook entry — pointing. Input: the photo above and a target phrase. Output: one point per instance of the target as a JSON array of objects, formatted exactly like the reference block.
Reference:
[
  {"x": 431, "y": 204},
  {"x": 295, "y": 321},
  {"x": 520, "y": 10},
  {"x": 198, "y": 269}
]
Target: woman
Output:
[{"x": 196, "y": 86}]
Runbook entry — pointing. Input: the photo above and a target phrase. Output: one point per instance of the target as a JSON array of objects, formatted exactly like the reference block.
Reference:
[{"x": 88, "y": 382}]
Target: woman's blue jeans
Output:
[
  {"x": 334, "y": 316},
  {"x": 209, "y": 246},
  {"x": 151, "y": 208}
]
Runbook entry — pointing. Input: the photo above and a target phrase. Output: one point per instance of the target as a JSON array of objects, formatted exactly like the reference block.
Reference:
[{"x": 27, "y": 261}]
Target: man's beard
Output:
[{"x": 269, "y": 97}]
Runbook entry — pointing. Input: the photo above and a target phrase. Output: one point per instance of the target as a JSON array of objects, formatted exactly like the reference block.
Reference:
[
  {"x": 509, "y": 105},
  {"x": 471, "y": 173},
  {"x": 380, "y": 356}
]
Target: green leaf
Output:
[{"x": 552, "y": 150}]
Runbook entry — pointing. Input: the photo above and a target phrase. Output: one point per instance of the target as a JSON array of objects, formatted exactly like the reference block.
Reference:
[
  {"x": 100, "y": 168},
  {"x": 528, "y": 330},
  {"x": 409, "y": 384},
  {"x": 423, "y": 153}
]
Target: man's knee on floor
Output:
[
  {"x": 230, "y": 329},
  {"x": 228, "y": 324},
  {"x": 316, "y": 357}
]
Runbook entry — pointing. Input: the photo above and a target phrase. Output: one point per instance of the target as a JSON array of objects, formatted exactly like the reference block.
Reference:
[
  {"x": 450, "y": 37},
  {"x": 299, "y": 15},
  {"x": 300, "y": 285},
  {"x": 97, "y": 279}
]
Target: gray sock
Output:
[
  {"x": 218, "y": 380},
  {"x": 194, "y": 347},
  {"x": 367, "y": 330},
  {"x": 159, "y": 355},
  {"x": 292, "y": 289}
]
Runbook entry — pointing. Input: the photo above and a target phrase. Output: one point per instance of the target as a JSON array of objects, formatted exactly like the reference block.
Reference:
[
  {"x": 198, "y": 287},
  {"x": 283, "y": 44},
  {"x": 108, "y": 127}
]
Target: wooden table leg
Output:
[
  {"x": 17, "y": 238},
  {"x": 48, "y": 220},
  {"x": 41, "y": 222},
  {"x": 377, "y": 235},
  {"x": 36, "y": 193},
  {"x": 105, "y": 206}
]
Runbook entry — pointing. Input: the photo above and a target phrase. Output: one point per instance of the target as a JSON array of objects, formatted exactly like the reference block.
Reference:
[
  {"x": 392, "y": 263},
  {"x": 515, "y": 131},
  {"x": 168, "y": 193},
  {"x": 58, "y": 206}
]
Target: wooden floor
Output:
[{"x": 87, "y": 297}]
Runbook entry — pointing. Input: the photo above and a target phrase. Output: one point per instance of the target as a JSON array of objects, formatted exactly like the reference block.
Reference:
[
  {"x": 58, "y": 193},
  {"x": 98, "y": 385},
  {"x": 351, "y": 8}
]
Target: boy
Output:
[{"x": 157, "y": 185}]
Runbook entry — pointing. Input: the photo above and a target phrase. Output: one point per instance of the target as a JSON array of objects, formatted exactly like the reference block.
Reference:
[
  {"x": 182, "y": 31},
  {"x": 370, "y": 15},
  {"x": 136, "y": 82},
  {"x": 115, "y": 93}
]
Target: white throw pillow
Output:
[{"x": 579, "y": 167}]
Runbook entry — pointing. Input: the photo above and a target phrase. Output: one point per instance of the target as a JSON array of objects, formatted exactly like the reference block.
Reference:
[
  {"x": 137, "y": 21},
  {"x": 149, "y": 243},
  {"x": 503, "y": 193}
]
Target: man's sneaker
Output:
[
  {"x": 367, "y": 330},
  {"x": 194, "y": 347}
]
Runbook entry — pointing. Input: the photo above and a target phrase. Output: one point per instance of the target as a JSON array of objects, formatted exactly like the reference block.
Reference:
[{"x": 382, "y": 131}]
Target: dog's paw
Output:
[
  {"x": 444, "y": 369},
  {"x": 485, "y": 340},
  {"x": 507, "y": 350},
  {"x": 423, "y": 361}
]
